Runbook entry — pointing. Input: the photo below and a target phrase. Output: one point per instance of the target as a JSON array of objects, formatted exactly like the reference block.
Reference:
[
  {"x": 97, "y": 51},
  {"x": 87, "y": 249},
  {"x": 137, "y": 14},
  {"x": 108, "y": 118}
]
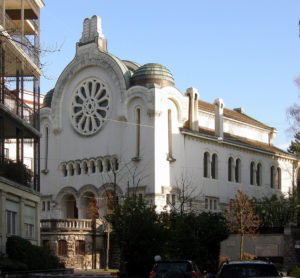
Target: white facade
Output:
[{"x": 110, "y": 121}]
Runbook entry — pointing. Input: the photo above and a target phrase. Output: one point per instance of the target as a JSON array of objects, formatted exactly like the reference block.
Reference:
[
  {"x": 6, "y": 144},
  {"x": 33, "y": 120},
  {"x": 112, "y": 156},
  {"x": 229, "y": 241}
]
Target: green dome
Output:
[
  {"x": 153, "y": 73},
  {"x": 48, "y": 98}
]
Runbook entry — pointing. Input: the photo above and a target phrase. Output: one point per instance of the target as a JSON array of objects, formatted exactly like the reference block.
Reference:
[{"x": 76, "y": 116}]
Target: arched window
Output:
[
  {"x": 77, "y": 168},
  {"x": 107, "y": 165},
  {"x": 62, "y": 248},
  {"x": 115, "y": 164},
  {"x": 214, "y": 166},
  {"x": 46, "y": 146},
  {"x": 205, "y": 164},
  {"x": 237, "y": 170},
  {"x": 64, "y": 170},
  {"x": 92, "y": 166},
  {"x": 71, "y": 169},
  {"x": 278, "y": 178},
  {"x": 258, "y": 174},
  {"x": 252, "y": 166},
  {"x": 230, "y": 167},
  {"x": 99, "y": 166},
  {"x": 170, "y": 137},
  {"x": 138, "y": 132},
  {"x": 110, "y": 201},
  {"x": 272, "y": 177},
  {"x": 84, "y": 167}
]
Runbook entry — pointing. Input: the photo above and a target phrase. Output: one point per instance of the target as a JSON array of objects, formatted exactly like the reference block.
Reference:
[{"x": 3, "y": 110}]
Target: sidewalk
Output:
[{"x": 95, "y": 273}]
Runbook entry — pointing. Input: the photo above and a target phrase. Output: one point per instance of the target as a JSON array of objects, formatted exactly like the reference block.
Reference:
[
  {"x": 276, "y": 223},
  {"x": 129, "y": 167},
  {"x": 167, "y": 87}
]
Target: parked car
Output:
[
  {"x": 245, "y": 269},
  {"x": 175, "y": 269}
]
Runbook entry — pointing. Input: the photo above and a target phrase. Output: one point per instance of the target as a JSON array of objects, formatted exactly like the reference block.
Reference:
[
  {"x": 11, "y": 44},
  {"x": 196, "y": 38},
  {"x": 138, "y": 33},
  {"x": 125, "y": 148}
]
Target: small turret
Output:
[{"x": 92, "y": 33}]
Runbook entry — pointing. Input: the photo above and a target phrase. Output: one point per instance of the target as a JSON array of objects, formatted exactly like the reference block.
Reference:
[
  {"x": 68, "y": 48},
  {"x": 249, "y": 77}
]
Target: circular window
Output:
[{"x": 90, "y": 106}]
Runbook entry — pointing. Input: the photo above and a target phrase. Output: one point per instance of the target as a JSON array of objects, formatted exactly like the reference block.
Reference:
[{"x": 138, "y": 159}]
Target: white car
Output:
[{"x": 247, "y": 269}]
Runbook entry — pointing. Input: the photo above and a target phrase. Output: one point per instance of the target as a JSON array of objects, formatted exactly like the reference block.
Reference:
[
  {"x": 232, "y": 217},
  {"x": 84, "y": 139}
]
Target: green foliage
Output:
[
  {"x": 295, "y": 272},
  {"x": 7, "y": 264},
  {"x": 140, "y": 234},
  {"x": 30, "y": 256},
  {"x": 197, "y": 237},
  {"x": 16, "y": 171},
  {"x": 294, "y": 147},
  {"x": 276, "y": 211}
]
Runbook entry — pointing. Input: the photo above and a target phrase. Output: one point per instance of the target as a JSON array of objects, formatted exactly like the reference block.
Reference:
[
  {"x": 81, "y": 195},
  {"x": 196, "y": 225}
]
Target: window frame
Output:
[
  {"x": 62, "y": 248},
  {"x": 80, "y": 247},
  {"x": 11, "y": 222}
]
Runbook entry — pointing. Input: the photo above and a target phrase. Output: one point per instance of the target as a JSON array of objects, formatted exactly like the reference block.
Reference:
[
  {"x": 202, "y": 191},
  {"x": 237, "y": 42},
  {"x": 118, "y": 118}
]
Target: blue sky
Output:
[{"x": 246, "y": 52}]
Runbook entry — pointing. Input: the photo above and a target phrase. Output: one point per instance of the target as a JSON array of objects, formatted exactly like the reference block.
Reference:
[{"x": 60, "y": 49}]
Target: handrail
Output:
[
  {"x": 16, "y": 36},
  {"x": 12, "y": 102}
]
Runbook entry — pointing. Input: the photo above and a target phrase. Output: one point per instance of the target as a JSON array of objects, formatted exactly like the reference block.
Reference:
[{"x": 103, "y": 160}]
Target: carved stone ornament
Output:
[{"x": 90, "y": 106}]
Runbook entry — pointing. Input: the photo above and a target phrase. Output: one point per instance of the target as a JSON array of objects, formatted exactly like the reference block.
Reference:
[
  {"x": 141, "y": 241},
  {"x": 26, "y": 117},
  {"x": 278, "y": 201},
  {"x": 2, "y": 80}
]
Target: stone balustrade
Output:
[{"x": 68, "y": 224}]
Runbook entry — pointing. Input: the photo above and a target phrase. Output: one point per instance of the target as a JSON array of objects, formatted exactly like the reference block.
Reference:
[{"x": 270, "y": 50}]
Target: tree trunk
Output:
[
  {"x": 107, "y": 249},
  {"x": 93, "y": 244},
  {"x": 242, "y": 247}
]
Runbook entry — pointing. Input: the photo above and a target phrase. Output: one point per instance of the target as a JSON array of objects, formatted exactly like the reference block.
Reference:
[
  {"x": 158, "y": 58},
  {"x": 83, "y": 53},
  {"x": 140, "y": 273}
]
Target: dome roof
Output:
[
  {"x": 48, "y": 98},
  {"x": 153, "y": 73}
]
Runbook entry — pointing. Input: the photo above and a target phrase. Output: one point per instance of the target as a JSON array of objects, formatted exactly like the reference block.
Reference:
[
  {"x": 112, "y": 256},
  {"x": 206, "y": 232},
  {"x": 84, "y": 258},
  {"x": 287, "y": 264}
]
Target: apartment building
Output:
[{"x": 19, "y": 120}]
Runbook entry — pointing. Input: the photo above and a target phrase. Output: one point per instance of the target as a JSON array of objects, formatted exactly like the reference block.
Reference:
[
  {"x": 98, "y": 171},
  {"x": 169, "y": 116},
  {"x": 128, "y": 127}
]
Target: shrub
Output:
[
  {"x": 223, "y": 259},
  {"x": 7, "y": 264},
  {"x": 248, "y": 257},
  {"x": 295, "y": 272},
  {"x": 16, "y": 171},
  {"x": 33, "y": 257}
]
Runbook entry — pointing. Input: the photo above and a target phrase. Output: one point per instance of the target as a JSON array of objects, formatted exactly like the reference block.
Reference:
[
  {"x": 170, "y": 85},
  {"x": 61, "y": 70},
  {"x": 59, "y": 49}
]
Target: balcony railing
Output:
[
  {"x": 68, "y": 225},
  {"x": 12, "y": 101},
  {"x": 22, "y": 41}
]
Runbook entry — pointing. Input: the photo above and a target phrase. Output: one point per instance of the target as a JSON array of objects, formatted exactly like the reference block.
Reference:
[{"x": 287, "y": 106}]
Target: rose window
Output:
[{"x": 90, "y": 106}]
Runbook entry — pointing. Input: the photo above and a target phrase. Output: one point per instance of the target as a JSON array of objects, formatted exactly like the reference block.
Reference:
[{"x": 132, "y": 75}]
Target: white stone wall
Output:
[{"x": 153, "y": 170}]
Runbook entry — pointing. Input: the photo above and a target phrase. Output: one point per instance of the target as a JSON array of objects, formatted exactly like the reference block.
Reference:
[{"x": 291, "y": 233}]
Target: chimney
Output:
[
  {"x": 219, "y": 108},
  {"x": 193, "y": 95},
  {"x": 272, "y": 135},
  {"x": 240, "y": 110},
  {"x": 92, "y": 33}
]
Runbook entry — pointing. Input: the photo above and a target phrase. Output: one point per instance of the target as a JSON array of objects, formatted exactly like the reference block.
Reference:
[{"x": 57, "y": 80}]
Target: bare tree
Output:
[
  {"x": 187, "y": 194},
  {"x": 293, "y": 112},
  {"x": 129, "y": 176},
  {"x": 92, "y": 212}
]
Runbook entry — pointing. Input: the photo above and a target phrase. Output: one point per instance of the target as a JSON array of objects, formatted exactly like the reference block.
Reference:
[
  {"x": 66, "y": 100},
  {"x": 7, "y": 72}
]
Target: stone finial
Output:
[
  {"x": 272, "y": 135},
  {"x": 92, "y": 33},
  {"x": 219, "y": 108},
  {"x": 193, "y": 95}
]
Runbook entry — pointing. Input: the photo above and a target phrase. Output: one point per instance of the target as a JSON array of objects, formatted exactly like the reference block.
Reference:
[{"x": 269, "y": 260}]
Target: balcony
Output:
[
  {"x": 15, "y": 104},
  {"x": 68, "y": 225},
  {"x": 25, "y": 42}
]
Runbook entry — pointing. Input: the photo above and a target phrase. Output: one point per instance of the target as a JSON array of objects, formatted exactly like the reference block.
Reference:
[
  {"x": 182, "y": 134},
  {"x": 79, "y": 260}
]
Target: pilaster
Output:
[
  {"x": 37, "y": 224},
  {"x": 2, "y": 220},
  {"x": 21, "y": 218}
]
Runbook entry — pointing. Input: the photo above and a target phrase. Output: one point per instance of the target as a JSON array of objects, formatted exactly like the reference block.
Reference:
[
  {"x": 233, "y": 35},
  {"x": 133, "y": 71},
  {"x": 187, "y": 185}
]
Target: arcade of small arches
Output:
[
  {"x": 90, "y": 166},
  {"x": 210, "y": 170},
  {"x": 74, "y": 204}
]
